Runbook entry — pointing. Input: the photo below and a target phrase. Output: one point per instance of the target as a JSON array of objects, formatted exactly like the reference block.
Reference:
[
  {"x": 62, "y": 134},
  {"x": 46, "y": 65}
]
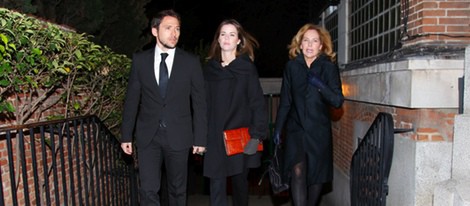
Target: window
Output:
[
  {"x": 331, "y": 24},
  {"x": 374, "y": 28}
]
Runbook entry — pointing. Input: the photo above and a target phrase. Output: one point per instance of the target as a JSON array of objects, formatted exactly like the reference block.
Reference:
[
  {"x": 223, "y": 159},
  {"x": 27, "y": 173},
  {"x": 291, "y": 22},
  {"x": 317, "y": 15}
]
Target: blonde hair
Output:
[{"x": 325, "y": 39}]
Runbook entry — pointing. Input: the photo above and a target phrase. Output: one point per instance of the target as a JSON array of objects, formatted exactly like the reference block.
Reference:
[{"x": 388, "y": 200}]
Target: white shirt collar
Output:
[
  {"x": 169, "y": 61},
  {"x": 170, "y": 52}
]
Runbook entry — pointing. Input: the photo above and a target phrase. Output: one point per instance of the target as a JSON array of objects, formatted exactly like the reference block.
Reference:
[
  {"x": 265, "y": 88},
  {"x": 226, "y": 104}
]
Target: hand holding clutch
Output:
[
  {"x": 238, "y": 141},
  {"x": 251, "y": 147}
]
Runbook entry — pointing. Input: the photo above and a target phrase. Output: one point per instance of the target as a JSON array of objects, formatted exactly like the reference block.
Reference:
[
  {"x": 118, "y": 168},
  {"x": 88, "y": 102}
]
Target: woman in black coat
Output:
[
  {"x": 235, "y": 99},
  {"x": 311, "y": 85}
]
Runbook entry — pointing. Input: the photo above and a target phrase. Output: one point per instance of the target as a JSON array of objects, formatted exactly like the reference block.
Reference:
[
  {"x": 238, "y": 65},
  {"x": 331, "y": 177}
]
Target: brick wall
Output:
[
  {"x": 70, "y": 156},
  {"x": 53, "y": 105},
  {"x": 444, "y": 21},
  {"x": 428, "y": 125}
]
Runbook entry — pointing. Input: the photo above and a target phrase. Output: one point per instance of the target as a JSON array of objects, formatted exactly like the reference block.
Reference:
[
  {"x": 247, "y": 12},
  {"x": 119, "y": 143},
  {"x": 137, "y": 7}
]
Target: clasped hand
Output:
[
  {"x": 276, "y": 138},
  {"x": 199, "y": 150},
  {"x": 314, "y": 80}
]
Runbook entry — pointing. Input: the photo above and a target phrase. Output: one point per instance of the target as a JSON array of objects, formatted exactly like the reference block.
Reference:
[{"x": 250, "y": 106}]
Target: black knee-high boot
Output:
[
  {"x": 240, "y": 188},
  {"x": 218, "y": 190}
]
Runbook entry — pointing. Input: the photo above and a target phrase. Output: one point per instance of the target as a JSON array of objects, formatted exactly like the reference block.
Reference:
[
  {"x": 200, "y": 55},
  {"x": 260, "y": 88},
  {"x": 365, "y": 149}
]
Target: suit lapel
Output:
[{"x": 149, "y": 72}]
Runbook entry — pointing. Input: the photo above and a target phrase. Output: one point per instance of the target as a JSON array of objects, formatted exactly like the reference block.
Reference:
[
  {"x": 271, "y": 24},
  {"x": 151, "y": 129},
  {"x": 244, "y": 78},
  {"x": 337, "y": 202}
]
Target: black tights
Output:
[{"x": 299, "y": 187}]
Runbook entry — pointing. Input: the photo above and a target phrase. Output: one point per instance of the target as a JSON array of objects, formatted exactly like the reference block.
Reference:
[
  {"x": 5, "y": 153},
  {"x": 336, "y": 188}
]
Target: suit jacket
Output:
[{"x": 183, "y": 111}]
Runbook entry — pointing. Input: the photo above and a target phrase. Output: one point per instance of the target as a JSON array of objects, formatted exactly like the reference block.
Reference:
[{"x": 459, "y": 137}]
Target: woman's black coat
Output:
[
  {"x": 235, "y": 99},
  {"x": 304, "y": 114}
]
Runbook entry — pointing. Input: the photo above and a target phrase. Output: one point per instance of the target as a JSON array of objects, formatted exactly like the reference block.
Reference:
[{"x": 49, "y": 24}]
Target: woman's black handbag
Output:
[{"x": 276, "y": 178}]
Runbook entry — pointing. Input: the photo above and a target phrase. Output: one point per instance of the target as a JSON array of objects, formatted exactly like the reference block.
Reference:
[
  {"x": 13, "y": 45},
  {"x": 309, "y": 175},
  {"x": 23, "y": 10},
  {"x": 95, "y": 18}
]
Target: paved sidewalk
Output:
[{"x": 203, "y": 200}]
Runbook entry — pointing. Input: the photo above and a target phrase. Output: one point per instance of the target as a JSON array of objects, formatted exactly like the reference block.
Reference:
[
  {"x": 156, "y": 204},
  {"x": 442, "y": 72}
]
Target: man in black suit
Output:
[{"x": 165, "y": 123}]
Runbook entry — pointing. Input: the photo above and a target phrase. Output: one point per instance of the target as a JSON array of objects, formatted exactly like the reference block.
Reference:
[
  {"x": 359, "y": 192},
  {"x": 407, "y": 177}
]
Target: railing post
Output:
[{"x": 133, "y": 181}]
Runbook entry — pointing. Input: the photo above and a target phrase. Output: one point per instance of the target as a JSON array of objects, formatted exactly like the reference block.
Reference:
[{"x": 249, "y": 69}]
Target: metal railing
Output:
[
  {"x": 78, "y": 161},
  {"x": 371, "y": 163},
  {"x": 75, "y": 161}
]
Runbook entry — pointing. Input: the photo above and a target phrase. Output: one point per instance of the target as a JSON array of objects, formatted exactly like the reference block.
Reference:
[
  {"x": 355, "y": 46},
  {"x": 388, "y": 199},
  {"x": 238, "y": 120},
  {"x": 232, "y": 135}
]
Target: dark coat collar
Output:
[{"x": 240, "y": 65}]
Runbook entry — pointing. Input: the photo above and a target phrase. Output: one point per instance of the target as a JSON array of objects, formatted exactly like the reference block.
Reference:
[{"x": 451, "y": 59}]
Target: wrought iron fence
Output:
[
  {"x": 371, "y": 163},
  {"x": 78, "y": 161},
  {"x": 75, "y": 161}
]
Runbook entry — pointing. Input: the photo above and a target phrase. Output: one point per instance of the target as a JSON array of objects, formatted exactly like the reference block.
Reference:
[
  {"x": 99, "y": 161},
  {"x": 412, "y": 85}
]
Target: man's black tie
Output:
[{"x": 163, "y": 75}]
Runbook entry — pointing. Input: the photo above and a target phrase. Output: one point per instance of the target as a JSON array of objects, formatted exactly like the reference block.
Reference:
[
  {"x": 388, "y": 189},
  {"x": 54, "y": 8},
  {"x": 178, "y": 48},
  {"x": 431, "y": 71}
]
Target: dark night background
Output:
[
  {"x": 124, "y": 25},
  {"x": 272, "y": 22}
]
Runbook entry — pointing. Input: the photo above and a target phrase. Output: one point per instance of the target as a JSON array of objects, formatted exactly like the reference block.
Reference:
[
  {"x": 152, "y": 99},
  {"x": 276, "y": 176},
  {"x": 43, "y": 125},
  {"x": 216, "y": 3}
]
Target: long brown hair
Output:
[
  {"x": 247, "y": 42},
  {"x": 325, "y": 39}
]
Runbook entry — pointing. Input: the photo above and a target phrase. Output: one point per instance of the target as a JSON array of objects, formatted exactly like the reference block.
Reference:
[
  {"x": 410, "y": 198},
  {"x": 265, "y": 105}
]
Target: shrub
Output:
[{"x": 49, "y": 72}]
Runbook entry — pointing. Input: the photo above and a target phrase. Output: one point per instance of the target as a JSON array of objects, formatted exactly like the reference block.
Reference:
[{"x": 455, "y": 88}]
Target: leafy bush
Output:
[{"x": 44, "y": 67}]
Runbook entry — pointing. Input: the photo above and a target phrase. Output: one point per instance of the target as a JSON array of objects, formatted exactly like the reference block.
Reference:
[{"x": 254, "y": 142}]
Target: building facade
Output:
[{"x": 406, "y": 58}]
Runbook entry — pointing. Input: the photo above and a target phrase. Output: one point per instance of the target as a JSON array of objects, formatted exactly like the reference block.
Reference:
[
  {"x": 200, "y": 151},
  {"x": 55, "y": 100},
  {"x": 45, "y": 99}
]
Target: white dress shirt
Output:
[{"x": 169, "y": 62}]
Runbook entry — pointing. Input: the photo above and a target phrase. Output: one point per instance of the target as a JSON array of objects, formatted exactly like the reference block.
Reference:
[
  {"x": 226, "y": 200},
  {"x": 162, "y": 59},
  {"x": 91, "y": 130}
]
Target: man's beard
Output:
[{"x": 166, "y": 45}]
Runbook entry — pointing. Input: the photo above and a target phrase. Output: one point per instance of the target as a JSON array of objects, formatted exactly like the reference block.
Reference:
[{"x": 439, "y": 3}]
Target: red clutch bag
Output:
[{"x": 236, "y": 139}]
